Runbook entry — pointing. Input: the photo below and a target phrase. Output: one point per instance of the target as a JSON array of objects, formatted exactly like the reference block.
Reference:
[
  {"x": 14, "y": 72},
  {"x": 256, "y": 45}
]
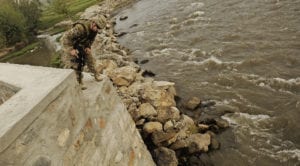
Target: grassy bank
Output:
[
  {"x": 50, "y": 18},
  {"x": 20, "y": 52}
]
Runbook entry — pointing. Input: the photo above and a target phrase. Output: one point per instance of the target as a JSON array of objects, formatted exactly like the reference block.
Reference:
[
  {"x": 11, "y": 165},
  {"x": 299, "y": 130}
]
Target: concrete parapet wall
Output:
[{"x": 69, "y": 127}]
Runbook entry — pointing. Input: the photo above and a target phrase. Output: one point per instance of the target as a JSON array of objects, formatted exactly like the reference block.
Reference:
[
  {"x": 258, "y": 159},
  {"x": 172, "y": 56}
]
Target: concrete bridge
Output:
[{"x": 45, "y": 119}]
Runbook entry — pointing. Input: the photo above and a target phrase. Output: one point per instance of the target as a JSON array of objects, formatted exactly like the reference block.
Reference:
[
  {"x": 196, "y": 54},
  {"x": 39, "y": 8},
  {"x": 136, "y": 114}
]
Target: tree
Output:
[
  {"x": 11, "y": 24},
  {"x": 32, "y": 12}
]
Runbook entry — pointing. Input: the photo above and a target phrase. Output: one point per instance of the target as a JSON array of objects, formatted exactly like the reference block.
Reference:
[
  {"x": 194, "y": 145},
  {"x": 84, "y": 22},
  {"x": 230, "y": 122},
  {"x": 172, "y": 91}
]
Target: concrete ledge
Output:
[
  {"x": 39, "y": 86},
  {"x": 51, "y": 121}
]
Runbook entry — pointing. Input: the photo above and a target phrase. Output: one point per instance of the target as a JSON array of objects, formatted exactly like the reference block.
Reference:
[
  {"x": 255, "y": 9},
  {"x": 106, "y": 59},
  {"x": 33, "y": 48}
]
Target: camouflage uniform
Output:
[{"x": 79, "y": 37}]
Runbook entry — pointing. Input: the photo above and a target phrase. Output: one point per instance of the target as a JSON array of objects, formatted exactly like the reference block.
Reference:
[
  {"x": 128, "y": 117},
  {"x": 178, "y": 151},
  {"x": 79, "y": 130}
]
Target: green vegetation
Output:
[
  {"x": 21, "y": 52},
  {"x": 56, "y": 60},
  {"x": 11, "y": 24},
  {"x": 60, "y": 10},
  {"x": 32, "y": 13},
  {"x": 18, "y": 21}
]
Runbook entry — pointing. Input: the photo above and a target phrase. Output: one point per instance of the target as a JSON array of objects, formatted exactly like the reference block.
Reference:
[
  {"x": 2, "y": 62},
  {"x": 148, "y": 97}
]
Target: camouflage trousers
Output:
[{"x": 78, "y": 63}]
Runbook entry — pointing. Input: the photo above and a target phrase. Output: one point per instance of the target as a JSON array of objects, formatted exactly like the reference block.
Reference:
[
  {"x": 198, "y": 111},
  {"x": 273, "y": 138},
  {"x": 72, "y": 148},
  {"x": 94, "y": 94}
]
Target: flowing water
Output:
[{"x": 245, "y": 53}]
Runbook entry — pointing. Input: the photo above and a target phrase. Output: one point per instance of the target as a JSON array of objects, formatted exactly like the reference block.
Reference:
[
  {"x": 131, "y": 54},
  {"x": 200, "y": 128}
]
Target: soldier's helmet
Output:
[{"x": 100, "y": 21}]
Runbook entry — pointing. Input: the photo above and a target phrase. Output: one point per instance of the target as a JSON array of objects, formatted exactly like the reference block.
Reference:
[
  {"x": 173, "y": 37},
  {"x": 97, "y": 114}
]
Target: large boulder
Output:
[
  {"x": 123, "y": 76},
  {"x": 146, "y": 110},
  {"x": 168, "y": 113},
  {"x": 137, "y": 87},
  {"x": 198, "y": 143},
  {"x": 222, "y": 123},
  {"x": 193, "y": 103},
  {"x": 158, "y": 97},
  {"x": 165, "y": 85}
]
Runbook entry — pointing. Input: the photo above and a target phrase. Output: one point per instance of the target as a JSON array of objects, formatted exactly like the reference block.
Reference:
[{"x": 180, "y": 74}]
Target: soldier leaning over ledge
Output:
[{"x": 77, "y": 44}]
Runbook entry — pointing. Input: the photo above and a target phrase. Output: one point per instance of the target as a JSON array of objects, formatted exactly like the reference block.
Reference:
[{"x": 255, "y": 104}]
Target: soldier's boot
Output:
[
  {"x": 79, "y": 79},
  {"x": 91, "y": 65}
]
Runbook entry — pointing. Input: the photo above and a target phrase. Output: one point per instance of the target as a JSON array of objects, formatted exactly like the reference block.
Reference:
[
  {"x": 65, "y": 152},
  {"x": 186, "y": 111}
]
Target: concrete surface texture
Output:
[{"x": 50, "y": 121}]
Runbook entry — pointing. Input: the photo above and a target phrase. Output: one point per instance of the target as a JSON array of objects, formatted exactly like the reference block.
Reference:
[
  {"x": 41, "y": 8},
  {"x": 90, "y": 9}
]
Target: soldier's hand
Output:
[
  {"x": 87, "y": 50},
  {"x": 74, "y": 52}
]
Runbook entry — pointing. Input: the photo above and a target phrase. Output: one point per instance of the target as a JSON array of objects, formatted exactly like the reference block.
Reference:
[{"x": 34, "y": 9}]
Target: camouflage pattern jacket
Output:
[{"x": 79, "y": 35}]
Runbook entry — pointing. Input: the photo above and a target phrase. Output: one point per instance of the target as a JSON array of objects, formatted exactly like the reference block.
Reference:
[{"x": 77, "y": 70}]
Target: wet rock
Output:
[
  {"x": 203, "y": 127},
  {"x": 193, "y": 103},
  {"x": 198, "y": 143},
  {"x": 214, "y": 128},
  {"x": 123, "y": 18},
  {"x": 134, "y": 25},
  {"x": 165, "y": 157},
  {"x": 120, "y": 34},
  {"x": 207, "y": 103},
  {"x": 215, "y": 144},
  {"x": 148, "y": 73},
  {"x": 144, "y": 61},
  {"x": 224, "y": 108},
  {"x": 222, "y": 123},
  {"x": 207, "y": 119},
  {"x": 151, "y": 127},
  {"x": 212, "y": 134},
  {"x": 202, "y": 160}
]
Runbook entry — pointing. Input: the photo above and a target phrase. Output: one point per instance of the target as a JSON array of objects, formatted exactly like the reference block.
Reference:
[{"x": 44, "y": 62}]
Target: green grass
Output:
[
  {"x": 50, "y": 18},
  {"x": 20, "y": 52},
  {"x": 56, "y": 60}
]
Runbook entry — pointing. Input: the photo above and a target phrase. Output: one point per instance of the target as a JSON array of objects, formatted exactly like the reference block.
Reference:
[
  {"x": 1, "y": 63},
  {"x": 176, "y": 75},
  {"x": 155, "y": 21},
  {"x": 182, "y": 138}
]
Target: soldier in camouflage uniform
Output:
[{"x": 77, "y": 44}]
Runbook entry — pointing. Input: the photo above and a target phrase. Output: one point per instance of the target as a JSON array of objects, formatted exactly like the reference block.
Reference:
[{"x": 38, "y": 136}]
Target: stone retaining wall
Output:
[{"x": 75, "y": 127}]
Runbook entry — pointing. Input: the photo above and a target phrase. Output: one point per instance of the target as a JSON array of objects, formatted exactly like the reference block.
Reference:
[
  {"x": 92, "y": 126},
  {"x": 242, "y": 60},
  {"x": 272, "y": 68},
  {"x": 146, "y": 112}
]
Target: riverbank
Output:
[
  {"x": 210, "y": 51},
  {"x": 172, "y": 136}
]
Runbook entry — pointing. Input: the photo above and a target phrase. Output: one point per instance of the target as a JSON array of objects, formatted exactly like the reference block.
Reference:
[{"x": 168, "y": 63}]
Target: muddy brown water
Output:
[{"x": 244, "y": 53}]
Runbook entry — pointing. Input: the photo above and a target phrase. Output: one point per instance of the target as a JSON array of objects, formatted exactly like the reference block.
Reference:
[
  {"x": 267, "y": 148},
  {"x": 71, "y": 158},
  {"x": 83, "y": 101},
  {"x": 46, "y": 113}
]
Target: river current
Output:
[{"x": 244, "y": 53}]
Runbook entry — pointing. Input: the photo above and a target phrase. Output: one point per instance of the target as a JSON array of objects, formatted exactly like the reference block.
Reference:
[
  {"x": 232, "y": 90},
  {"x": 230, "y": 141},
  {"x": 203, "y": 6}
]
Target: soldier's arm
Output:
[{"x": 72, "y": 36}]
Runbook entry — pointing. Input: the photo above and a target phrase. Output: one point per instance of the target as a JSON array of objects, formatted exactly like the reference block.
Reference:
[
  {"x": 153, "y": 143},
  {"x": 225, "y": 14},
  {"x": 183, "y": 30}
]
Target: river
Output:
[{"x": 244, "y": 53}]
